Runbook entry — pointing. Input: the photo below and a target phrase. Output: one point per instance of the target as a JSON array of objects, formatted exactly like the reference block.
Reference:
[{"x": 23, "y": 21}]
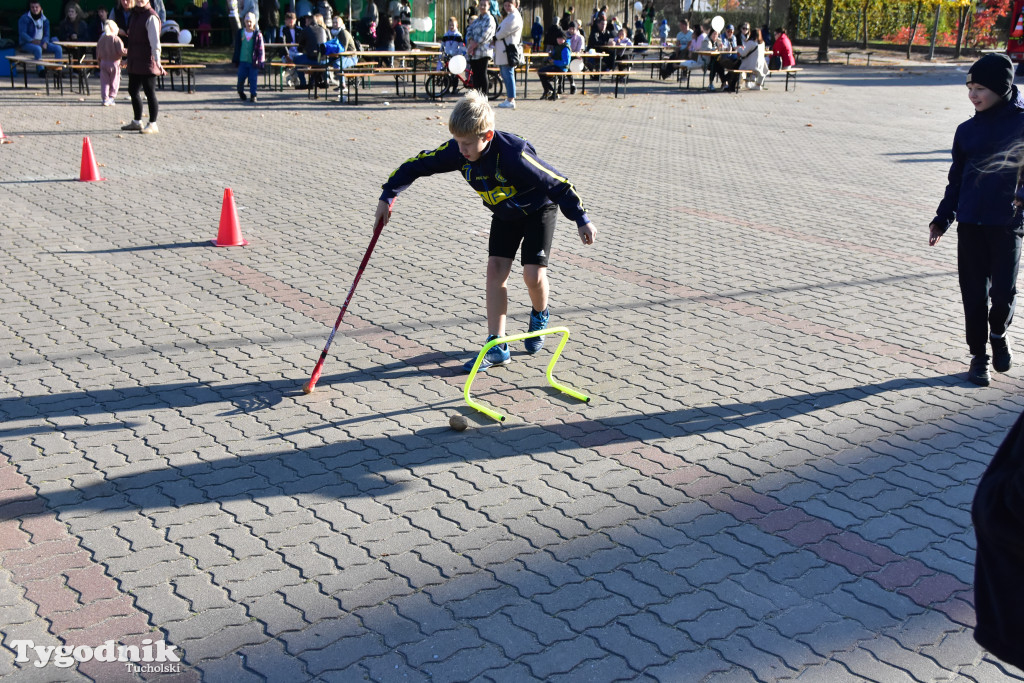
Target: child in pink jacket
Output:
[{"x": 109, "y": 51}]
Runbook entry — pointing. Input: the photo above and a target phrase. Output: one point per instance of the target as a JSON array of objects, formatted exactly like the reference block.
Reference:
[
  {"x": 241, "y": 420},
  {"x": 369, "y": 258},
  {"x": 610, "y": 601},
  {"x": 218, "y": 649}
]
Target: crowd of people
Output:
[
  {"x": 311, "y": 33},
  {"x": 745, "y": 50}
]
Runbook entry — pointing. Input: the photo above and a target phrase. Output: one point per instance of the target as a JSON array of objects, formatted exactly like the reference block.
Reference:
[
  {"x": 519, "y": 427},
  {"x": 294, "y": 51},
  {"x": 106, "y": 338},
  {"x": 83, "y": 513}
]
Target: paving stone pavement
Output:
[{"x": 772, "y": 482}]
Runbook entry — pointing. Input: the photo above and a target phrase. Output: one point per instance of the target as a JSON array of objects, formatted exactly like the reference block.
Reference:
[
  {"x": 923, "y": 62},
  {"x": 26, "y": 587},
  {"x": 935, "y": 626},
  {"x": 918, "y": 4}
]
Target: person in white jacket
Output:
[
  {"x": 752, "y": 59},
  {"x": 510, "y": 32}
]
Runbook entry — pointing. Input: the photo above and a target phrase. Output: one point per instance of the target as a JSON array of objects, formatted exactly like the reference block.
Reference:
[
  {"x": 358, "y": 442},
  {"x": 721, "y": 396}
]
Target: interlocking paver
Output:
[{"x": 769, "y": 484}]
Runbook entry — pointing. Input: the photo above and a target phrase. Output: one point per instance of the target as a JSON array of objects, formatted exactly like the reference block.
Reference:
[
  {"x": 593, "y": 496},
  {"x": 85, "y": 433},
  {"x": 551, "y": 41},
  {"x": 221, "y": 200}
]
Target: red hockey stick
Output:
[{"x": 344, "y": 307}]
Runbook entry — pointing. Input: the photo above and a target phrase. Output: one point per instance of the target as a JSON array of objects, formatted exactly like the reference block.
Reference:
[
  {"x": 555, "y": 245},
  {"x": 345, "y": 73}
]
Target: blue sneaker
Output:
[
  {"x": 538, "y": 322},
  {"x": 498, "y": 355}
]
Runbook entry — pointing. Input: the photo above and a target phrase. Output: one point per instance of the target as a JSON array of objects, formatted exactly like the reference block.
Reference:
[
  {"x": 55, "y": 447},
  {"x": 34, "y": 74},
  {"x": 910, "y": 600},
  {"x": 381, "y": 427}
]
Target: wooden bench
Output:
[
  {"x": 82, "y": 71},
  {"x": 188, "y": 79},
  {"x": 850, "y": 53},
  {"x": 743, "y": 73},
  {"x": 316, "y": 84},
  {"x": 619, "y": 76},
  {"x": 51, "y": 69},
  {"x": 790, "y": 71},
  {"x": 273, "y": 75}
]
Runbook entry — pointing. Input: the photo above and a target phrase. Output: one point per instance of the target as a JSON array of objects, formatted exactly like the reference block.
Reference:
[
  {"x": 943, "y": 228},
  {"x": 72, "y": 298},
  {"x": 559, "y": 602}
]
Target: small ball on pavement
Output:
[
  {"x": 307, "y": 389},
  {"x": 458, "y": 423}
]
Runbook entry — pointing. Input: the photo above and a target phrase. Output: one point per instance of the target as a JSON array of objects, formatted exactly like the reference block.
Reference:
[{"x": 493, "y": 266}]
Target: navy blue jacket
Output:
[
  {"x": 974, "y": 196},
  {"x": 509, "y": 177}
]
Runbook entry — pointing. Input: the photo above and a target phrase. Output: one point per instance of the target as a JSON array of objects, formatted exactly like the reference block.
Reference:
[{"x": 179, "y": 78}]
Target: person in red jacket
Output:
[{"x": 783, "y": 48}]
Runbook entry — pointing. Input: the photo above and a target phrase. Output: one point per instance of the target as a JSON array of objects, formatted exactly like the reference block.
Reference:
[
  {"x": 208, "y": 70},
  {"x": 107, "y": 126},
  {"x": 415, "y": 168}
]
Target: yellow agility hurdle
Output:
[{"x": 564, "y": 331}]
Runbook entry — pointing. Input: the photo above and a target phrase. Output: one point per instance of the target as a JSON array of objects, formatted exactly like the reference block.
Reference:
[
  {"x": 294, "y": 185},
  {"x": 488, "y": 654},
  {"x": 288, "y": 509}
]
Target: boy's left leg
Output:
[
  {"x": 1005, "y": 259},
  {"x": 537, "y": 238},
  {"x": 536, "y": 279}
]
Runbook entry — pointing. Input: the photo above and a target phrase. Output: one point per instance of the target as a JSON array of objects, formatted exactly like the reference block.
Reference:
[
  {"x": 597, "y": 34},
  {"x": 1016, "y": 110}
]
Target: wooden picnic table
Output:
[{"x": 78, "y": 49}]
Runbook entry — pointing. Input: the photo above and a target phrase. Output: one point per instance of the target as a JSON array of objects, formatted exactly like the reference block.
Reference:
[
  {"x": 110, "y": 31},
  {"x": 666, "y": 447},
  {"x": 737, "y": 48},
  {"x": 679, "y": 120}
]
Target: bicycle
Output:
[{"x": 458, "y": 74}]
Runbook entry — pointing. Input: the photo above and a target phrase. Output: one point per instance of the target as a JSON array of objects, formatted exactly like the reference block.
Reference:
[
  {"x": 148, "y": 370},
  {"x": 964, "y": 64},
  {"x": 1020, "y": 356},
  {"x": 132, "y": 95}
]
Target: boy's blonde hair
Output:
[
  {"x": 109, "y": 28},
  {"x": 472, "y": 115}
]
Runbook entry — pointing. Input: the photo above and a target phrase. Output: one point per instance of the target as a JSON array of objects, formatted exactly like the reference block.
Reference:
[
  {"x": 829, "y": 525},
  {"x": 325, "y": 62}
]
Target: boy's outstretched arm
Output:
[
  {"x": 428, "y": 162},
  {"x": 588, "y": 233}
]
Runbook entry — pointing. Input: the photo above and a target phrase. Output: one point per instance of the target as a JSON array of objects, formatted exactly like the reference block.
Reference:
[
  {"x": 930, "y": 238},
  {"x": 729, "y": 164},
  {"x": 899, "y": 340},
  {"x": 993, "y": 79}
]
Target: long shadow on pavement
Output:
[{"x": 357, "y": 467}]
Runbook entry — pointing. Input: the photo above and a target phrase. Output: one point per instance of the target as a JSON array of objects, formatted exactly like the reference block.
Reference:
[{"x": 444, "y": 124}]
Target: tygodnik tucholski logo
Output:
[{"x": 150, "y": 657}]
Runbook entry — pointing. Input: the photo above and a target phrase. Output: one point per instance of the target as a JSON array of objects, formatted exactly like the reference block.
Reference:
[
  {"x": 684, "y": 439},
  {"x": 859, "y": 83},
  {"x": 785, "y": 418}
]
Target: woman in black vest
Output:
[{"x": 143, "y": 46}]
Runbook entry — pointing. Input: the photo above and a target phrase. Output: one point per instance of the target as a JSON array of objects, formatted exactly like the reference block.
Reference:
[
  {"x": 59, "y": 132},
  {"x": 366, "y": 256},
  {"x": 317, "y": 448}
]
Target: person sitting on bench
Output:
[{"x": 34, "y": 34}]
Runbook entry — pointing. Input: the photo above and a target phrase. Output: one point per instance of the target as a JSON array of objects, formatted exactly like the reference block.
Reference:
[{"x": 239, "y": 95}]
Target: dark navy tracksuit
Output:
[
  {"x": 512, "y": 181},
  {"x": 989, "y": 229}
]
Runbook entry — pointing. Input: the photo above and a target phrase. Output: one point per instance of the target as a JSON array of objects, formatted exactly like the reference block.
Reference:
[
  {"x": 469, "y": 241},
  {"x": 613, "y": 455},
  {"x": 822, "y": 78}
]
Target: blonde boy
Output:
[{"x": 521, "y": 192}]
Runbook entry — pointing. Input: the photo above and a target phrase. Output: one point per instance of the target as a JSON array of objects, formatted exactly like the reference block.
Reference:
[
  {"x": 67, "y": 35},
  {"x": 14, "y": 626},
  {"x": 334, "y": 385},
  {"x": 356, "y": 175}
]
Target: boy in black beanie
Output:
[{"x": 984, "y": 197}]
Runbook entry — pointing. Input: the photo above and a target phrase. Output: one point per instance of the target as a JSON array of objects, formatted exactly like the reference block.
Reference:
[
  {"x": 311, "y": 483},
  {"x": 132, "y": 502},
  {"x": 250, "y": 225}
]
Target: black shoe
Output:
[
  {"x": 978, "y": 374},
  {"x": 546, "y": 95},
  {"x": 253, "y": 99},
  {"x": 554, "y": 96},
  {"x": 572, "y": 89},
  {"x": 1002, "y": 357},
  {"x": 241, "y": 96}
]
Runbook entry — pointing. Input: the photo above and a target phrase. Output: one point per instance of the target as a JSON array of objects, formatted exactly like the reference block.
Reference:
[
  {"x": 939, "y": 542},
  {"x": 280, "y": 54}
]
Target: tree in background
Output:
[
  {"x": 914, "y": 26},
  {"x": 825, "y": 34},
  {"x": 962, "y": 23}
]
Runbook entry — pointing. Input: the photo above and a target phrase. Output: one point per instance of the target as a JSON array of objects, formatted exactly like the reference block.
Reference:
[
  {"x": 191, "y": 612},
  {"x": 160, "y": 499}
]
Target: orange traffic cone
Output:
[
  {"x": 230, "y": 233},
  {"x": 4, "y": 140},
  {"x": 1018, "y": 31},
  {"x": 89, "y": 172}
]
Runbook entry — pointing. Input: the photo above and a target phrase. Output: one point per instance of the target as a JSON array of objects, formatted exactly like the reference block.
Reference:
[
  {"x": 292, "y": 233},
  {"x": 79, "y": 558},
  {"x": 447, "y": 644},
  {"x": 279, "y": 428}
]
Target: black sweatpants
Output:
[
  {"x": 547, "y": 73},
  {"x": 146, "y": 82},
  {"x": 479, "y": 69},
  {"x": 988, "y": 258}
]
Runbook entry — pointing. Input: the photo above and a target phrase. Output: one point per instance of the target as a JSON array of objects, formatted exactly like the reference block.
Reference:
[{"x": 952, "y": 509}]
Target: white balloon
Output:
[
  {"x": 576, "y": 65},
  {"x": 639, "y": 6},
  {"x": 718, "y": 23},
  {"x": 184, "y": 37},
  {"x": 457, "y": 64},
  {"x": 428, "y": 24}
]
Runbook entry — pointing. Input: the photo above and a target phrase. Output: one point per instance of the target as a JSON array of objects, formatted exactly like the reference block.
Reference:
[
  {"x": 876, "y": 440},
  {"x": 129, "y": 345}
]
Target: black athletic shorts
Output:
[{"x": 534, "y": 230}]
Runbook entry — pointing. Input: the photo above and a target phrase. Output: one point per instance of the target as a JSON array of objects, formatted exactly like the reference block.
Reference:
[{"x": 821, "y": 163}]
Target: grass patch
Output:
[{"x": 207, "y": 55}]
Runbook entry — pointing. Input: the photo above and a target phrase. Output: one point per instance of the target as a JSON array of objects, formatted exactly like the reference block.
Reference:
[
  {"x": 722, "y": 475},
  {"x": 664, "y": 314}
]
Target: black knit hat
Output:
[
  {"x": 995, "y": 72},
  {"x": 557, "y": 32}
]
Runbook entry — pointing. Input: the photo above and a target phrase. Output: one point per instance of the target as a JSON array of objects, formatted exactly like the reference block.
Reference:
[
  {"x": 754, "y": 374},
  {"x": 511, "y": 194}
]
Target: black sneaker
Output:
[
  {"x": 978, "y": 374},
  {"x": 572, "y": 89},
  {"x": 1002, "y": 357},
  {"x": 241, "y": 96}
]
